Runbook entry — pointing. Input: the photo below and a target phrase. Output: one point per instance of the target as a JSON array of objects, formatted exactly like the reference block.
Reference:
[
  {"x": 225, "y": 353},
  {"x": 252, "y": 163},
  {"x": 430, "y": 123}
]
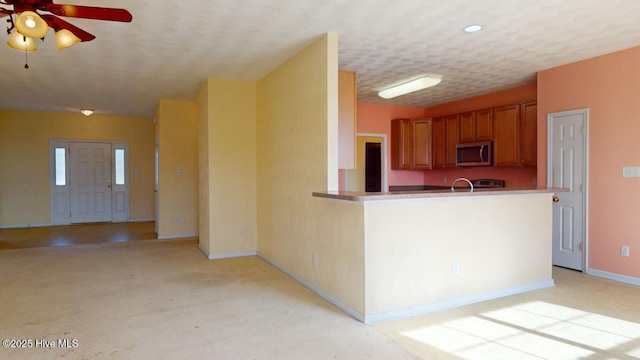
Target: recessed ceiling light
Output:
[{"x": 472, "y": 28}]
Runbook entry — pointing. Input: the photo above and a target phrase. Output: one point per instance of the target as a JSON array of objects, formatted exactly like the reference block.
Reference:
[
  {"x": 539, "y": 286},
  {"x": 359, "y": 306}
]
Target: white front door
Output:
[
  {"x": 90, "y": 182},
  {"x": 567, "y": 169}
]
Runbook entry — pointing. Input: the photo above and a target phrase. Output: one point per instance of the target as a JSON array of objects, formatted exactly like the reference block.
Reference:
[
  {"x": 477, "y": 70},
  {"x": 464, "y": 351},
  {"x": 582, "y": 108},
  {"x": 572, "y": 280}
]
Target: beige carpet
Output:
[{"x": 165, "y": 300}]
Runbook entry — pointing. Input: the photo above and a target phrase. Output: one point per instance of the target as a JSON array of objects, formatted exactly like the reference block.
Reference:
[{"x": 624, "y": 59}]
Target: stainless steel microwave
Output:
[{"x": 474, "y": 154}]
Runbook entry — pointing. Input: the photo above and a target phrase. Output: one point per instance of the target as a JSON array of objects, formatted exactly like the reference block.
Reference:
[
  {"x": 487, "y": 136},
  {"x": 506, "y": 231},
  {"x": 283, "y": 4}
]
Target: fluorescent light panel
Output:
[{"x": 420, "y": 83}]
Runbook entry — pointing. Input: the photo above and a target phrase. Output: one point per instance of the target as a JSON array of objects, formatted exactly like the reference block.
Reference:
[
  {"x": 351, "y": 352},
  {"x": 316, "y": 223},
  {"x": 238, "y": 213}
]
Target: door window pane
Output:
[
  {"x": 61, "y": 166},
  {"x": 119, "y": 166}
]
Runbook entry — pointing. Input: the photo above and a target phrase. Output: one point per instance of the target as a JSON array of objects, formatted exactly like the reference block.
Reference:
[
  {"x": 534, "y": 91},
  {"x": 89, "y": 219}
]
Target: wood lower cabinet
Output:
[
  {"x": 411, "y": 144},
  {"x": 346, "y": 119},
  {"x": 514, "y": 137},
  {"x": 444, "y": 141},
  {"x": 476, "y": 125}
]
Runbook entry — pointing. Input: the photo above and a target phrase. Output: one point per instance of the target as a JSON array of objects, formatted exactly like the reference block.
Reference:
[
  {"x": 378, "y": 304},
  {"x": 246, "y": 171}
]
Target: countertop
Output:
[{"x": 426, "y": 194}]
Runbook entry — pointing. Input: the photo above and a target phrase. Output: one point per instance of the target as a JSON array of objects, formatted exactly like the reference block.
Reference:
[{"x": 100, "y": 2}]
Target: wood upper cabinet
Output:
[
  {"x": 476, "y": 125},
  {"x": 401, "y": 144},
  {"x": 439, "y": 142},
  {"x": 346, "y": 119},
  {"x": 451, "y": 130},
  {"x": 411, "y": 144},
  {"x": 529, "y": 134},
  {"x": 421, "y": 136},
  {"x": 515, "y": 139},
  {"x": 444, "y": 141}
]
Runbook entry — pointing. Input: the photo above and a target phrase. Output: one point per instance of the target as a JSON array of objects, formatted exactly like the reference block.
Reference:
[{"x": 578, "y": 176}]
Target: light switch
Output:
[{"x": 630, "y": 171}]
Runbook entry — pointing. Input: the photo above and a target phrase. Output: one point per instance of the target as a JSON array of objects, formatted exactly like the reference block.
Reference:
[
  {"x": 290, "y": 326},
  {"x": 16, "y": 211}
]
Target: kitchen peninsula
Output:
[{"x": 422, "y": 251}]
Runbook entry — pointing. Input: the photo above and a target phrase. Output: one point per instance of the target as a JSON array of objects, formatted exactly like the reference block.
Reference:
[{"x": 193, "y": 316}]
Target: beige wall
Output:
[
  {"x": 227, "y": 135},
  {"x": 411, "y": 247},
  {"x": 24, "y": 160},
  {"x": 297, "y": 142},
  {"x": 178, "y": 171},
  {"x": 204, "y": 164}
]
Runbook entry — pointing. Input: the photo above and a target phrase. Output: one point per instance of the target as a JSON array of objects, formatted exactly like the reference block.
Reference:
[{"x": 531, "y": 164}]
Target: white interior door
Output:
[
  {"x": 567, "y": 169},
  {"x": 90, "y": 182}
]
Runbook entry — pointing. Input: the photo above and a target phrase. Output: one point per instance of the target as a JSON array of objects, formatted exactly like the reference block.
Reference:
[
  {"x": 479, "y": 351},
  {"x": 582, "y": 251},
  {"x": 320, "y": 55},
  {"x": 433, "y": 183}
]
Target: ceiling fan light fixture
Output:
[
  {"x": 65, "y": 38},
  {"x": 30, "y": 24},
  {"x": 87, "y": 112},
  {"x": 21, "y": 43},
  {"x": 410, "y": 86}
]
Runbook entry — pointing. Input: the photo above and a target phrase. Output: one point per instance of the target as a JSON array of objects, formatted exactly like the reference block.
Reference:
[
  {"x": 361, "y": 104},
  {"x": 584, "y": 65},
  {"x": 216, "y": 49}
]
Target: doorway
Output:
[
  {"x": 373, "y": 167},
  {"x": 567, "y": 168},
  {"x": 370, "y": 173},
  {"x": 89, "y": 181}
]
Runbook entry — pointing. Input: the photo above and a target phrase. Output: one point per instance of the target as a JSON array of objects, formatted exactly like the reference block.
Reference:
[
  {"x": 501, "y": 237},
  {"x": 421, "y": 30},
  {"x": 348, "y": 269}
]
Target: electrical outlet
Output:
[
  {"x": 177, "y": 219},
  {"x": 313, "y": 258},
  {"x": 444, "y": 179},
  {"x": 241, "y": 232},
  {"x": 456, "y": 268},
  {"x": 624, "y": 250}
]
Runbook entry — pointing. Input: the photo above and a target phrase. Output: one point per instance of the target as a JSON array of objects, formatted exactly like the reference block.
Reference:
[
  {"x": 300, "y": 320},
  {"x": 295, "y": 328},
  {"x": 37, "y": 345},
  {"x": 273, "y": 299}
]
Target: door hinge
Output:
[{"x": 582, "y": 130}]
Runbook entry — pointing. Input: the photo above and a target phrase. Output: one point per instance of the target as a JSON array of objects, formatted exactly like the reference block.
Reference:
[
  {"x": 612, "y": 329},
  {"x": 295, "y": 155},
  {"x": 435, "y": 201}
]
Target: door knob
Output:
[
  {"x": 109, "y": 183},
  {"x": 556, "y": 199}
]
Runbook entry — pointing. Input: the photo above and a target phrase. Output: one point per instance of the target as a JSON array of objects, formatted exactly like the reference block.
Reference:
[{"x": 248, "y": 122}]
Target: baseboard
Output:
[
  {"x": 141, "y": 220},
  {"x": 22, "y": 226},
  {"x": 457, "y": 302},
  {"x": 178, "y": 236},
  {"x": 347, "y": 309},
  {"x": 232, "y": 255},
  {"x": 613, "y": 276}
]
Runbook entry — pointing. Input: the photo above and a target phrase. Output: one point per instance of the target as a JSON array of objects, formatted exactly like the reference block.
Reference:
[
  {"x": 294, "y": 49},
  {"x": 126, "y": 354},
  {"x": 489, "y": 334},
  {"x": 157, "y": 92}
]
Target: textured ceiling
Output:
[{"x": 171, "y": 46}]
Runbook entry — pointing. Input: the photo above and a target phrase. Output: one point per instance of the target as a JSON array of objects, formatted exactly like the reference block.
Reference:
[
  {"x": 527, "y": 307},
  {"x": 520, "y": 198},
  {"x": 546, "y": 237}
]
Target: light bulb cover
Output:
[
  {"x": 25, "y": 25},
  {"x": 65, "y": 38},
  {"x": 406, "y": 87},
  {"x": 87, "y": 112},
  {"x": 21, "y": 43}
]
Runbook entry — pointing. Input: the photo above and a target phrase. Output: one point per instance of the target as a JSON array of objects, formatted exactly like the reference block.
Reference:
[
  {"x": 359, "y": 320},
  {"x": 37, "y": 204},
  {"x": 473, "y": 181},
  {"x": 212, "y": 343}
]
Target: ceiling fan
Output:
[{"x": 29, "y": 24}]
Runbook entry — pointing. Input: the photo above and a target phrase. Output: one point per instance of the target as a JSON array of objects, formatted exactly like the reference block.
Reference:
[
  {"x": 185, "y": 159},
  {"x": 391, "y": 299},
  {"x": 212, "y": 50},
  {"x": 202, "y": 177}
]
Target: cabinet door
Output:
[
  {"x": 346, "y": 119},
  {"x": 421, "y": 130},
  {"x": 483, "y": 125},
  {"x": 451, "y": 135},
  {"x": 529, "y": 134},
  {"x": 506, "y": 137},
  {"x": 467, "y": 127},
  {"x": 401, "y": 147},
  {"x": 439, "y": 140}
]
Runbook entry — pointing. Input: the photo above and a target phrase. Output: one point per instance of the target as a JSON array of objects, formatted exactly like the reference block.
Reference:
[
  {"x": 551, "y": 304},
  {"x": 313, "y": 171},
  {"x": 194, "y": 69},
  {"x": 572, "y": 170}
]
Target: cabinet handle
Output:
[
  {"x": 556, "y": 199},
  {"x": 481, "y": 157}
]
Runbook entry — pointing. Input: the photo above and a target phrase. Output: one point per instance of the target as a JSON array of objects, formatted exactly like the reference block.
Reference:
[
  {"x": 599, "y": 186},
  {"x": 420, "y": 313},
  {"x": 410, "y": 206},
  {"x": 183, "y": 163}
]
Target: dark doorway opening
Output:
[{"x": 373, "y": 167}]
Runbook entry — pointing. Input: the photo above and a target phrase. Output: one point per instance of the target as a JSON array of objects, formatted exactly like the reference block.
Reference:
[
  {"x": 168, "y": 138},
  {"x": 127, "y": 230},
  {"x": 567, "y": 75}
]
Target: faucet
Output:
[{"x": 461, "y": 179}]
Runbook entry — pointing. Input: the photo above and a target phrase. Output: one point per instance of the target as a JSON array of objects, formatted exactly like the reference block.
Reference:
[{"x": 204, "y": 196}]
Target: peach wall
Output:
[
  {"x": 375, "y": 118},
  {"x": 608, "y": 86}
]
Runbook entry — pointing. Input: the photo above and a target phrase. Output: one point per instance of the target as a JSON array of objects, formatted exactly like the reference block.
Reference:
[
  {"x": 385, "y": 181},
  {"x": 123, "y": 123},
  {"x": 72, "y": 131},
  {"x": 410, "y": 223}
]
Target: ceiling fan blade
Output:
[
  {"x": 5, "y": 12},
  {"x": 90, "y": 12},
  {"x": 57, "y": 24}
]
